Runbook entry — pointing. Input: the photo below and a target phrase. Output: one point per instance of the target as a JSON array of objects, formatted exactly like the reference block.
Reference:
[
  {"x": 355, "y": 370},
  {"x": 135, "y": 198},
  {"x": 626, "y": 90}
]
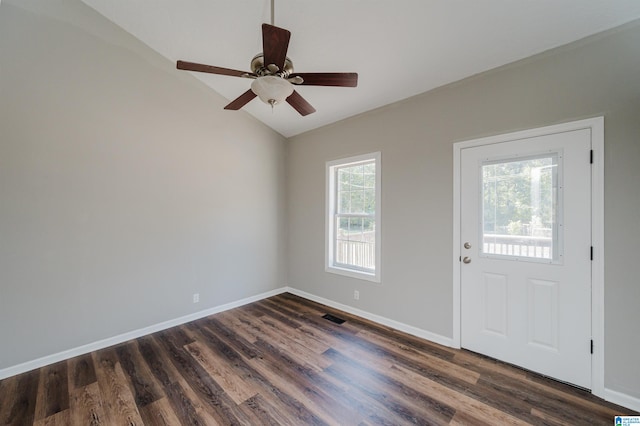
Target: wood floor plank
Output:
[
  {"x": 158, "y": 362},
  {"x": 525, "y": 396},
  {"x": 496, "y": 398},
  {"x": 263, "y": 412},
  {"x": 295, "y": 347},
  {"x": 279, "y": 362},
  {"x": 116, "y": 393},
  {"x": 311, "y": 405},
  {"x": 275, "y": 314},
  {"x": 61, "y": 418},
  {"x": 229, "y": 320},
  {"x": 382, "y": 357},
  {"x": 305, "y": 339},
  {"x": 463, "y": 418},
  {"x": 403, "y": 399},
  {"x": 230, "y": 335},
  {"x": 485, "y": 365},
  {"x": 563, "y": 406},
  {"x": 549, "y": 419},
  {"x": 183, "y": 401},
  {"x": 145, "y": 387},
  {"x": 195, "y": 395},
  {"x": 286, "y": 402},
  {"x": 579, "y": 398},
  {"x": 53, "y": 391},
  {"x": 459, "y": 401},
  {"x": 18, "y": 395},
  {"x": 7, "y": 395},
  {"x": 159, "y": 413},
  {"x": 81, "y": 371},
  {"x": 232, "y": 383},
  {"x": 188, "y": 407},
  {"x": 387, "y": 348},
  {"x": 211, "y": 395},
  {"x": 279, "y": 336},
  {"x": 87, "y": 407}
]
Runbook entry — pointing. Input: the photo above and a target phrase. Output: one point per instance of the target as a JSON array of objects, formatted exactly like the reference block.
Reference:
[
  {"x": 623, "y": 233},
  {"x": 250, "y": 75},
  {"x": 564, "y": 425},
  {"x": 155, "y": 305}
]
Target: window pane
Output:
[
  {"x": 357, "y": 229},
  {"x": 357, "y": 202},
  {"x": 355, "y": 242},
  {"x": 370, "y": 201},
  {"x": 370, "y": 175},
  {"x": 356, "y": 188},
  {"x": 344, "y": 202},
  {"x": 357, "y": 177},
  {"x": 519, "y": 208}
]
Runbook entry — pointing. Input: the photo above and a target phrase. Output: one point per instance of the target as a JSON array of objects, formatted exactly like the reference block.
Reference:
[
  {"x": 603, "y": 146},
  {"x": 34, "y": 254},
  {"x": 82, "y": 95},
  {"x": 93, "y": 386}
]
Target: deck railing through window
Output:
[
  {"x": 356, "y": 253},
  {"x": 518, "y": 245}
]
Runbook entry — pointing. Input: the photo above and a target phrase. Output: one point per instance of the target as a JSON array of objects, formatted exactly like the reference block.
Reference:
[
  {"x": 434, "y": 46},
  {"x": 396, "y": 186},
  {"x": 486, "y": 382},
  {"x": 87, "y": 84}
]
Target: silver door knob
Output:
[
  {"x": 466, "y": 260},
  {"x": 467, "y": 245}
]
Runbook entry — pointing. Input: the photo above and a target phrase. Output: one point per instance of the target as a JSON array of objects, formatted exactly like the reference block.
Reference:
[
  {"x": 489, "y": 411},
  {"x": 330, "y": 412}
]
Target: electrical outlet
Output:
[
  {"x": 196, "y": 297},
  {"x": 356, "y": 294}
]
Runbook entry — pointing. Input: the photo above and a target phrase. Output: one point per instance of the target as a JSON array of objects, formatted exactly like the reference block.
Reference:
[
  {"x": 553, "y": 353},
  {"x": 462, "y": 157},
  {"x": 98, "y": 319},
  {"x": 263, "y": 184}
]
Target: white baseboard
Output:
[
  {"x": 409, "y": 329},
  {"x": 622, "y": 399},
  {"x": 101, "y": 344}
]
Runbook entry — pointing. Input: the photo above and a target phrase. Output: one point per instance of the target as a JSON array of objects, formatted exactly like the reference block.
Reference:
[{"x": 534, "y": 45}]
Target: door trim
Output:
[{"x": 596, "y": 126}]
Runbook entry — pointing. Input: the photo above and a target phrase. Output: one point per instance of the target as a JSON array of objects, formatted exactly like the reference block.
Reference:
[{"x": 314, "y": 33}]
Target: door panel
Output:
[
  {"x": 543, "y": 313},
  {"x": 495, "y": 304},
  {"x": 526, "y": 288}
]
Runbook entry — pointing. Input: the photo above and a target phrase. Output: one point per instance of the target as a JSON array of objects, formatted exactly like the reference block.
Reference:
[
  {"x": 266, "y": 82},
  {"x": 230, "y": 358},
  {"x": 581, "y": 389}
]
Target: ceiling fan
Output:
[{"x": 273, "y": 75}]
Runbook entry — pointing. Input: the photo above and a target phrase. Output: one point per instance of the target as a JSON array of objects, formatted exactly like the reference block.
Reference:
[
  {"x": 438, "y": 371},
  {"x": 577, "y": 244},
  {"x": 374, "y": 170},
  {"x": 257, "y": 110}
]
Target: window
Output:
[
  {"x": 520, "y": 208},
  {"x": 353, "y": 217}
]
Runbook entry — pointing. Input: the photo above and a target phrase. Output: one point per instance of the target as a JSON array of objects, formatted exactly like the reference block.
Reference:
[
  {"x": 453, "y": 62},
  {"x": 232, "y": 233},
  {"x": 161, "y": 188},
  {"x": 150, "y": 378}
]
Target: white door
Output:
[{"x": 526, "y": 253}]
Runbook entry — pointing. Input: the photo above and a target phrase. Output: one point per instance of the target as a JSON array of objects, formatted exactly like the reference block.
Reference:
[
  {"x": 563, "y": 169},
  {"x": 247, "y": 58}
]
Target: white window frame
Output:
[{"x": 331, "y": 207}]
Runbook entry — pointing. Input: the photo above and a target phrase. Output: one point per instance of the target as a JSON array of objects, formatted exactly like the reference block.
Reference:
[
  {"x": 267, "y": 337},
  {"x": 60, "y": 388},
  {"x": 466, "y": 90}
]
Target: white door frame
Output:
[{"x": 596, "y": 126}]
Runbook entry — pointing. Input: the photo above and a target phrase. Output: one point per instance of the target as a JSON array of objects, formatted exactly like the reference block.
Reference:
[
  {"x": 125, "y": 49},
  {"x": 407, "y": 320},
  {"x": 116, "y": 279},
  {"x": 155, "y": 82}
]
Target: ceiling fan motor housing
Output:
[{"x": 258, "y": 67}]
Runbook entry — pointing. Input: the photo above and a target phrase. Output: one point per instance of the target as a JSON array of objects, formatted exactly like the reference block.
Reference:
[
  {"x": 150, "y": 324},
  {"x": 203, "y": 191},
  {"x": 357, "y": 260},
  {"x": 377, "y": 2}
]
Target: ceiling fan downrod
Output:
[{"x": 273, "y": 12}]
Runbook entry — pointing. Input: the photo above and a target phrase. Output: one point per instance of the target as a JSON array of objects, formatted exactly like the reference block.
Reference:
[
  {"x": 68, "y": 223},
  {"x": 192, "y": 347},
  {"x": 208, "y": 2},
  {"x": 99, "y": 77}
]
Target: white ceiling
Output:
[{"x": 399, "y": 48}]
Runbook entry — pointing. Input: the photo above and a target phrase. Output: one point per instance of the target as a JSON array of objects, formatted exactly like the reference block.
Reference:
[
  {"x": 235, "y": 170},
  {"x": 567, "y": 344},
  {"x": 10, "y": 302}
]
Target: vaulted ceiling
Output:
[{"x": 399, "y": 48}]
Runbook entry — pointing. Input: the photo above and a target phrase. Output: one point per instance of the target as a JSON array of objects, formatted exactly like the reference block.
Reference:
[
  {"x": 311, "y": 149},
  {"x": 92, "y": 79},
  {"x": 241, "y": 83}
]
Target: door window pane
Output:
[{"x": 520, "y": 208}]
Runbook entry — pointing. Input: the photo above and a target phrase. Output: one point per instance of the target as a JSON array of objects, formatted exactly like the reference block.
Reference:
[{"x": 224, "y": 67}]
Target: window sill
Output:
[{"x": 373, "y": 277}]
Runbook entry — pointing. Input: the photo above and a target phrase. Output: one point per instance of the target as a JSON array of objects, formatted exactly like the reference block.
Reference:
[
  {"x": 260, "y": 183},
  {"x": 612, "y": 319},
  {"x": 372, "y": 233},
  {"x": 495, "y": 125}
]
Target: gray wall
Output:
[
  {"x": 596, "y": 76},
  {"x": 124, "y": 186}
]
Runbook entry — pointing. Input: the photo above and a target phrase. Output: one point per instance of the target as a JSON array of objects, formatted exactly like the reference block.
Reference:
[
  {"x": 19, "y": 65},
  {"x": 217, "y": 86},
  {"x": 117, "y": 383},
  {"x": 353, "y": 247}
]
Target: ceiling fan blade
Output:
[
  {"x": 342, "y": 79},
  {"x": 300, "y": 104},
  {"x": 191, "y": 66},
  {"x": 241, "y": 100},
  {"x": 275, "y": 42}
]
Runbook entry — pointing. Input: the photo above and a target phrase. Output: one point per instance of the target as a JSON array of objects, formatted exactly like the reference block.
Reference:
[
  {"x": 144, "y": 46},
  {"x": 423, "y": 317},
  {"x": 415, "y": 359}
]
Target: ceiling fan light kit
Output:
[
  {"x": 272, "y": 90},
  {"x": 273, "y": 74}
]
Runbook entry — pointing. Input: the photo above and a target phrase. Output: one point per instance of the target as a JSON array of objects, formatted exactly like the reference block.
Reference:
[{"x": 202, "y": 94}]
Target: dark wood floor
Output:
[{"x": 278, "y": 361}]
